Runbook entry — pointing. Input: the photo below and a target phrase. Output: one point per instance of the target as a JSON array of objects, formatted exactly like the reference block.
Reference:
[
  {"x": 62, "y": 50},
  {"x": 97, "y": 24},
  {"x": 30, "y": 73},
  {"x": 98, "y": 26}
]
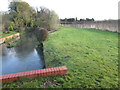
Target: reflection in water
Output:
[
  {"x": 41, "y": 54},
  {"x": 24, "y": 57}
]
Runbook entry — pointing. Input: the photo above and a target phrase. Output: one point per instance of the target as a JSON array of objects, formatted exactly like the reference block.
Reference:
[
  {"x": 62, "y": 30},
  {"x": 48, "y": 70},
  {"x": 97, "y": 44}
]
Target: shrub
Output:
[{"x": 41, "y": 34}]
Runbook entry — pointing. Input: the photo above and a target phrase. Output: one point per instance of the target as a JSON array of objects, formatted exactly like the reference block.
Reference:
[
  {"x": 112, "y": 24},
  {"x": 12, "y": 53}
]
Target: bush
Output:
[{"x": 41, "y": 34}]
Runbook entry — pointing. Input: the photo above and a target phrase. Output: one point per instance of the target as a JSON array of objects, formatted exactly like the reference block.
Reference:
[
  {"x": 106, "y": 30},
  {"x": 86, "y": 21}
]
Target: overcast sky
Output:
[{"x": 97, "y": 9}]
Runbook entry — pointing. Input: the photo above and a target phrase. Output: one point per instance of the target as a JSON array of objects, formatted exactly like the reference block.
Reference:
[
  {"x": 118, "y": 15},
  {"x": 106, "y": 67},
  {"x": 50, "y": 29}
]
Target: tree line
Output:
[
  {"x": 21, "y": 16},
  {"x": 75, "y": 20}
]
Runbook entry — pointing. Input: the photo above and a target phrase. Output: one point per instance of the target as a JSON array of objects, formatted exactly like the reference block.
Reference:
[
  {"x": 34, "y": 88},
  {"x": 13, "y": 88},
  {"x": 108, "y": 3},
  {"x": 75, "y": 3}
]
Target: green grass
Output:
[
  {"x": 91, "y": 57},
  {"x": 2, "y": 35}
]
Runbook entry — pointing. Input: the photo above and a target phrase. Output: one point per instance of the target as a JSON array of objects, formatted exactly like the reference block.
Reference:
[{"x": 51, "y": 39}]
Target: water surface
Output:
[{"x": 20, "y": 59}]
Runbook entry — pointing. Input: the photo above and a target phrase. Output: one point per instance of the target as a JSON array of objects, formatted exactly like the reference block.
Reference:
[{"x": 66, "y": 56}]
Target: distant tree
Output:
[
  {"x": 87, "y": 19},
  {"x": 70, "y": 19},
  {"x": 46, "y": 19},
  {"x": 82, "y": 19},
  {"x": 93, "y": 19},
  {"x": 76, "y": 18},
  {"x": 21, "y": 13},
  {"x": 42, "y": 17},
  {"x": 54, "y": 20},
  {"x": 65, "y": 20}
]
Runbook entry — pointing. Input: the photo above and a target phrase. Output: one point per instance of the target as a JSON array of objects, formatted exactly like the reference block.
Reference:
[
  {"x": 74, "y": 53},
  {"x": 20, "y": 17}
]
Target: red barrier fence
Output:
[{"x": 35, "y": 73}]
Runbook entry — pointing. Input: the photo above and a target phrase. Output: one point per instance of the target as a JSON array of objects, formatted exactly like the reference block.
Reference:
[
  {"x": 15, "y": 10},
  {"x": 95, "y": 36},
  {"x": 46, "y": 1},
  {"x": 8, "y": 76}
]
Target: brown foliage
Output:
[{"x": 41, "y": 34}]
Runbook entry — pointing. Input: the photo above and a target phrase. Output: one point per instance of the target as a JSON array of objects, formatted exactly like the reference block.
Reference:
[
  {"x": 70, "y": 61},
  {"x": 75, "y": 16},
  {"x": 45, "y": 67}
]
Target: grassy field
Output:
[
  {"x": 90, "y": 55},
  {"x": 5, "y": 35}
]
